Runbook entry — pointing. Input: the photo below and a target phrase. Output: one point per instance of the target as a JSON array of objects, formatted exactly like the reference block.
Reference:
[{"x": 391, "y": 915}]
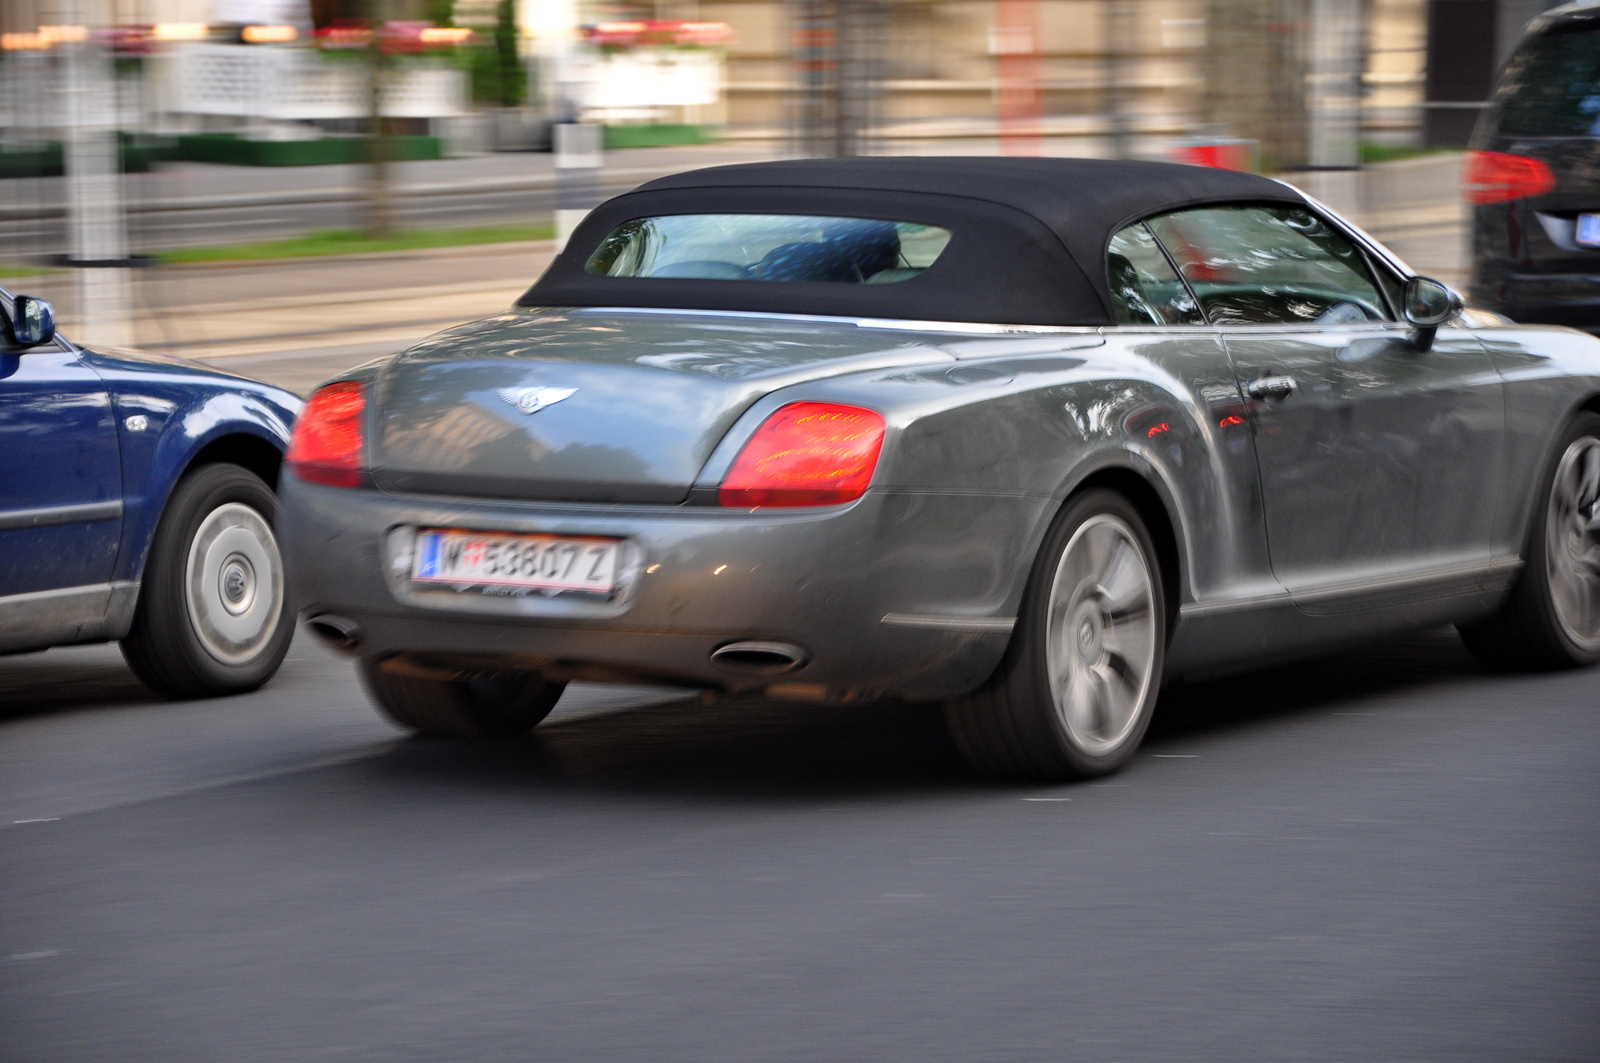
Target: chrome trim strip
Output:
[
  {"x": 1504, "y": 567},
  {"x": 85, "y": 513},
  {"x": 1498, "y": 567},
  {"x": 1221, "y": 606},
  {"x": 950, "y": 623},
  {"x": 860, "y": 322}
]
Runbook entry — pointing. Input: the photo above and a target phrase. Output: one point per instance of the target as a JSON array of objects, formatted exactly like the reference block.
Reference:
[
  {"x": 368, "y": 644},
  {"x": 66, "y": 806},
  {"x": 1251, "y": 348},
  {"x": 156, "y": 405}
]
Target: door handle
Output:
[{"x": 1270, "y": 386}]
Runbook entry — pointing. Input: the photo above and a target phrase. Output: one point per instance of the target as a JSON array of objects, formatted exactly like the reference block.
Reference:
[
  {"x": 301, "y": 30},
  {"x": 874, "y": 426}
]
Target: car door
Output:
[
  {"x": 1159, "y": 321},
  {"x": 61, "y": 490},
  {"x": 1377, "y": 460}
]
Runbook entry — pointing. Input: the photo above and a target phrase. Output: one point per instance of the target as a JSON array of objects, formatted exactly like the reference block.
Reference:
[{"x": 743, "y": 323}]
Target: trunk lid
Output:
[{"x": 599, "y": 405}]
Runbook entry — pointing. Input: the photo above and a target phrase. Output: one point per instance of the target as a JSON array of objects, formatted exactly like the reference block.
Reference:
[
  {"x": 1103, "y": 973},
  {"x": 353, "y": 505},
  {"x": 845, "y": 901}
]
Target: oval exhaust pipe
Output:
[
  {"x": 759, "y": 658},
  {"x": 339, "y": 632}
]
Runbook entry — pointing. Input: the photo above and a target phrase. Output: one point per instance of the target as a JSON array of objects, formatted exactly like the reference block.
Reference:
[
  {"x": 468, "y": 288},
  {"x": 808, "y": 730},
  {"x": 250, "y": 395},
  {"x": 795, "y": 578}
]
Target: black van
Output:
[{"x": 1533, "y": 177}]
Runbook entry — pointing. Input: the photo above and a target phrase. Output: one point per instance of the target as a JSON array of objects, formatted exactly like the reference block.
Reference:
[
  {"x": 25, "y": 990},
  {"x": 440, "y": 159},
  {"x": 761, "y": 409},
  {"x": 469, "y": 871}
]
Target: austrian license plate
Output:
[
  {"x": 1588, "y": 234},
  {"x": 533, "y": 562}
]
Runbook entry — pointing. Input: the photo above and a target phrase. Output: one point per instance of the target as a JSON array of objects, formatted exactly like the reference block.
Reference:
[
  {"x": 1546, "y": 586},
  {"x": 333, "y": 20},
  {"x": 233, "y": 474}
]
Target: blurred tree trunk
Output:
[
  {"x": 1119, "y": 74},
  {"x": 379, "y": 207},
  {"x": 1255, "y": 67},
  {"x": 814, "y": 53},
  {"x": 839, "y": 50}
]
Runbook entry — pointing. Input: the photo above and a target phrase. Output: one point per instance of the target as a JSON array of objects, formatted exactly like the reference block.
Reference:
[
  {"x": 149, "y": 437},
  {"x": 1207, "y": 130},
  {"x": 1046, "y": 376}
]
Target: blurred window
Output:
[
  {"x": 769, "y": 247},
  {"x": 1145, "y": 289},
  {"x": 1551, "y": 87},
  {"x": 1270, "y": 264}
]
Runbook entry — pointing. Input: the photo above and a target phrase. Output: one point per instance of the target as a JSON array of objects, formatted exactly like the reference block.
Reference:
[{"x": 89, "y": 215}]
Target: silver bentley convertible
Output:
[{"x": 1024, "y": 437}]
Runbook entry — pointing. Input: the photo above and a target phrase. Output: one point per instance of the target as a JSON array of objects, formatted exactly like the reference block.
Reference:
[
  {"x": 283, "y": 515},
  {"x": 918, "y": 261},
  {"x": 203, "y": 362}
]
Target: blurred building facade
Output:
[
  {"x": 1467, "y": 43},
  {"x": 926, "y": 70}
]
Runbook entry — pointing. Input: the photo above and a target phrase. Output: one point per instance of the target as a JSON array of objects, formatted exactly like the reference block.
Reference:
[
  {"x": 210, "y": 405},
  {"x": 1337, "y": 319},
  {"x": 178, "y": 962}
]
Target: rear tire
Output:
[
  {"x": 211, "y": 617},
  {"x": 1078, "y": 685},
  {"x": 1552, "y": 619},
  {"x": 486, "y": 704}
]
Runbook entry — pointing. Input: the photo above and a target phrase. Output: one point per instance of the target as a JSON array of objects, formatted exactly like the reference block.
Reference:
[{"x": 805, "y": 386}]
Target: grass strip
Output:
[
  {"x": 352, "y": 242},
  {"x": 1371, "y": 153},
  {"x": 24, "y": 271}
]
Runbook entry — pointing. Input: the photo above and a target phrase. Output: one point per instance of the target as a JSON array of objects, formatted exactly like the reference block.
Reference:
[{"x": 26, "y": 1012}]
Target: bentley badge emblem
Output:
[{"x": 532, "y": 400}]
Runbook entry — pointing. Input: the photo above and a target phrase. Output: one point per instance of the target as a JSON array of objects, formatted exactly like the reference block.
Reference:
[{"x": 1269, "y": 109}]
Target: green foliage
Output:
[
  {"x": 1371, "y": 152},
  {"x": 654, "y": 136},
  {"x": 498, "y": 76}
]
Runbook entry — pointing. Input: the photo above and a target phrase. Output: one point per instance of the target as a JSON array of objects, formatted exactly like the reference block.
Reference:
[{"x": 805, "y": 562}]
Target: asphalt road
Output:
[{"x": 1388, "y": 855}]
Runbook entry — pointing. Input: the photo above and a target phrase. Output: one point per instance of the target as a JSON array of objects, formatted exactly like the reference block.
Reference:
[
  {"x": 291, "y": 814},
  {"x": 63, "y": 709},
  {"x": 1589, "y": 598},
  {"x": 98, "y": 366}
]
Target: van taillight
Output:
[
  {"x": 1495, "y": 177},
  {"x": 806, "y": 454},
  {"x": 327, "y": 446}
]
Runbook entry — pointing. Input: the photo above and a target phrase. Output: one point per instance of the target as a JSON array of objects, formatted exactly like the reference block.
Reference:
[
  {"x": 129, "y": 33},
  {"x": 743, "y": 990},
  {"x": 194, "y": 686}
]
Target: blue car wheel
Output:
[{"x": 212, "y": 615}]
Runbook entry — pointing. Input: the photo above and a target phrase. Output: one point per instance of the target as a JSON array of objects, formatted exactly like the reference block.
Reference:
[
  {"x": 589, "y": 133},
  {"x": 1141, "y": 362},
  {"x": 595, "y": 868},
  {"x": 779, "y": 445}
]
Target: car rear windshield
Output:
[
  {"x": 1551, "y": 87},
  {"x": 769, "y": 247}
]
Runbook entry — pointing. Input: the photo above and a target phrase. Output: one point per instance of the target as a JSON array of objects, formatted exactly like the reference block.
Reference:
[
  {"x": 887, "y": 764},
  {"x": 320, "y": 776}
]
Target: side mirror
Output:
[
  {"x": 1428, "y": 304},
  {"x": 33, "y": 322}
]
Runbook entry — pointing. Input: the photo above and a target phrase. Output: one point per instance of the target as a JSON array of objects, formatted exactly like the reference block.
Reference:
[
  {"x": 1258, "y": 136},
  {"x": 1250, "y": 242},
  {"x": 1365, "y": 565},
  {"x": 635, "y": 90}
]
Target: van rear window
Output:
[
  {"x": 769, "y": 247},
  {"x": 1551, "y": 87}
]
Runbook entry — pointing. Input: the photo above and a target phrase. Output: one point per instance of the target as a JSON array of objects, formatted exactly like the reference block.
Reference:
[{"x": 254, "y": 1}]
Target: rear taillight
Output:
[
  {"x": 327, "y": 446},
  {"x": 1495, "y": 177},
  {"x": 806, "y": 454}
]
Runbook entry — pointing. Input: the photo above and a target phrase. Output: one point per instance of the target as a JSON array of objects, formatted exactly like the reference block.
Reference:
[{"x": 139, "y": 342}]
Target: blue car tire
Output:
[{"x": 212, "y": 615}]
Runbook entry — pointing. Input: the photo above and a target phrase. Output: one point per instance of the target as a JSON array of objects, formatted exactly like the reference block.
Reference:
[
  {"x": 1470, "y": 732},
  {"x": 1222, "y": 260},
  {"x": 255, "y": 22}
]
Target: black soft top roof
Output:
[{"x": 1028, "y": 238}]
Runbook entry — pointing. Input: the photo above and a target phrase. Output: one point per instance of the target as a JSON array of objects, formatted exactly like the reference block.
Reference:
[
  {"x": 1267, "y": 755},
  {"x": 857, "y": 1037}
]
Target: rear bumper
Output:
[
  {"x": 1571, "y": 299},
  {"x": 908, "y": 595}
]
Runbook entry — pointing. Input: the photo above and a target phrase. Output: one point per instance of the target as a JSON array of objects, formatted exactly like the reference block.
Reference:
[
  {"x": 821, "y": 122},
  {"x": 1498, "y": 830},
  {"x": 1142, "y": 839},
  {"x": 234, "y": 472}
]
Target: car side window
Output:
[
  {"x": 1270, "y": 264},
  {"x": 1393, "y": 285},
  {"x": 1145, "y": 289}
]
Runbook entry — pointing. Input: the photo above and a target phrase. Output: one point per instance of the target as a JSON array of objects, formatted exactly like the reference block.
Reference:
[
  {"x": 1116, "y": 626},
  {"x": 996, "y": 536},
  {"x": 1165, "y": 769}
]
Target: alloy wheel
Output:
[
  {"x": 1101, "y": 634},
  {"x": 1572, "y": 543}
]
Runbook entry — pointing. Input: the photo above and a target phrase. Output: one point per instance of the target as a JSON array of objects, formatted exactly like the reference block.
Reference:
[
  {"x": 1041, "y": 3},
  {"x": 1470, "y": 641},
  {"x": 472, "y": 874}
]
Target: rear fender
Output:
[{"x": 1036, "y": 428}]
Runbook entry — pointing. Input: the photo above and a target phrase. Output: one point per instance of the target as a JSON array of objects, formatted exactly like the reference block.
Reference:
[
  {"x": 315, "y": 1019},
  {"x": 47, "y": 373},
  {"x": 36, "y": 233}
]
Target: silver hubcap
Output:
[
  {"x": 234, "y": 583},
  {"x": 1572, "y": 543},
  {"x": 1101, "y": 634}
]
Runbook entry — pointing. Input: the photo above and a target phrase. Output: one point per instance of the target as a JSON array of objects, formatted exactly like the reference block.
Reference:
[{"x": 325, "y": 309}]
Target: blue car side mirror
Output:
[{"x": 32, "y": 322}]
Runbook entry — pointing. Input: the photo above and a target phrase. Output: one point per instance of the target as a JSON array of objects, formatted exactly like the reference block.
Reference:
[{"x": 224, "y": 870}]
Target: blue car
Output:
[{"x": 137, "y": 501}]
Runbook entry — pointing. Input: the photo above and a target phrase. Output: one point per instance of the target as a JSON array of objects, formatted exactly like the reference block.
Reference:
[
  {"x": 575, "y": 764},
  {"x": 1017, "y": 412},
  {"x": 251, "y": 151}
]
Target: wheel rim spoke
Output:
[
  {"x": 1130, "y": 641},
  {"x": 1589, "y": 478},
  {"x": 1077, "y": 701},
  {"x": 1120, "y": 684},
  {"x": 1123, "y": 584}
]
